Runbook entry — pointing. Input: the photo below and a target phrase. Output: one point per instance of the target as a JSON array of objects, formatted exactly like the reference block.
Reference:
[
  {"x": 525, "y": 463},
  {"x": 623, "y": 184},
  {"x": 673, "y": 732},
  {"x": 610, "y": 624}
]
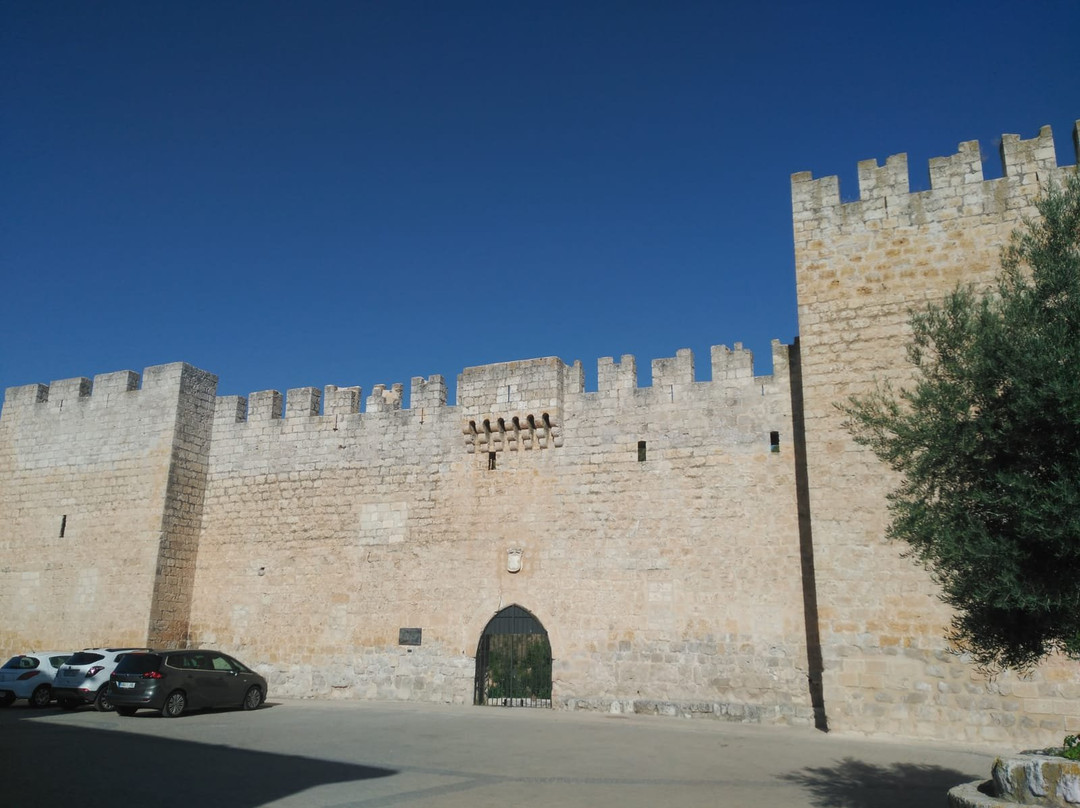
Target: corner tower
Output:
[
  {"x": 860, "y": 268},
  {"x": 101, "y": 493}
]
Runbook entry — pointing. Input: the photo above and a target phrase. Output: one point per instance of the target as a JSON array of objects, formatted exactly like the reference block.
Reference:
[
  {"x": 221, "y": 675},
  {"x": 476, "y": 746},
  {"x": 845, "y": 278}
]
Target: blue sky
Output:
[{"x": 290, "y": 194}]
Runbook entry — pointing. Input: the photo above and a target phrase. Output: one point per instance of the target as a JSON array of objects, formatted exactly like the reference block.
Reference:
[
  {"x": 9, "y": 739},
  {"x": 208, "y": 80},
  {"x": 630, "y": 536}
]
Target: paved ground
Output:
[{"x": 293, "y": 754}]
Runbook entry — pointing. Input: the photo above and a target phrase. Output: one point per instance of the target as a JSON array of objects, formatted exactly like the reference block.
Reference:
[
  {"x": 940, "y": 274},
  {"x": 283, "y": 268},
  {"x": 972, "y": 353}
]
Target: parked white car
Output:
[
  {"x": 84, "y": 678},
  {"x": 30, "y": 677}
]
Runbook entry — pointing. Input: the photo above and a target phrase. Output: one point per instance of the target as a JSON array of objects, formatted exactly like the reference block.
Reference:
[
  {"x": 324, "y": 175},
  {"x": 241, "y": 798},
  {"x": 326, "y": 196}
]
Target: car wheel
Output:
[
  {"x": 7, "y": 700},
  {"x": 174, "y": 704},
  {"x": 253, "y": 698},
  {"x": 69, "y": 704},
  {"x": 126, "y": 711},
  {"x": 41, "y": 696},
  {"x": 102, "y": 702}
]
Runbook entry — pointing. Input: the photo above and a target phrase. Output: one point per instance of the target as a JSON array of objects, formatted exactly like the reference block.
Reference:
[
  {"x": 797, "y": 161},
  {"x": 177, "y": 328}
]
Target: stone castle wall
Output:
[
  {"x": 92, "y": 503},
  {"x": 691, "y": 547},
  {"x": 672, "y": 579},
  {"x": 860, "y": 268}
]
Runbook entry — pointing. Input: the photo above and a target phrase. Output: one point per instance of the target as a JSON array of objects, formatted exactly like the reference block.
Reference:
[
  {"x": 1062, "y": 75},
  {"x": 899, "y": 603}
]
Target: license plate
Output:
[
  {"x": 68, "y": 673},
  {"x": 125, "y": 685}
]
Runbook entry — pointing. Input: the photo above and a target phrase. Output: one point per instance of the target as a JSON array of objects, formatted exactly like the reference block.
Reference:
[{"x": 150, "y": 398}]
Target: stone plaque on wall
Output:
[{"x": 409, "y": 636}]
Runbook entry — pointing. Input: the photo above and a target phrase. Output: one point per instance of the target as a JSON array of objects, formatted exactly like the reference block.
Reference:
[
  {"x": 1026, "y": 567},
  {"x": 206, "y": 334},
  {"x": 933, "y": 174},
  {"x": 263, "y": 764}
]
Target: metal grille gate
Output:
[{"x": 513, "y": 661}]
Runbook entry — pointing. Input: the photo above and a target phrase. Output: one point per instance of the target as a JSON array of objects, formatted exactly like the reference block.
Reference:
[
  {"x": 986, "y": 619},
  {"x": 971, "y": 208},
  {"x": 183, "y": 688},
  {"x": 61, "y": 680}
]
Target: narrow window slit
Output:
[
  {"x": 491, "y": 461},
  {"x": 641, "y": 451},
  {"x": 63, "y": 525},
  {"x": 774, "y": 441}
]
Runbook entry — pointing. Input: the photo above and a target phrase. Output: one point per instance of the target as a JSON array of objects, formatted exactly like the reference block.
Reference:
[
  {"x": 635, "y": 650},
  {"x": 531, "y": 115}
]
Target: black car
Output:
[{"x": 174, "y": 681}]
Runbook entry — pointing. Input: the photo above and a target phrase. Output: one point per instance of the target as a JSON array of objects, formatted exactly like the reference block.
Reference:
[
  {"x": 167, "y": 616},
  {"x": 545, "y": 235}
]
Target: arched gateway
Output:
[{"x": 513, "y": 661}]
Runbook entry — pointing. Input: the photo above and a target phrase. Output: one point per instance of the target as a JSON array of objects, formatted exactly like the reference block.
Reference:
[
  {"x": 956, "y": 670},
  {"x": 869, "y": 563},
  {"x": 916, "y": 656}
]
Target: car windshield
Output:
[
  {"x": 138, "y": 663},
  {"x": 22, "y": 662},
  {"x": 84, "y": 658}
]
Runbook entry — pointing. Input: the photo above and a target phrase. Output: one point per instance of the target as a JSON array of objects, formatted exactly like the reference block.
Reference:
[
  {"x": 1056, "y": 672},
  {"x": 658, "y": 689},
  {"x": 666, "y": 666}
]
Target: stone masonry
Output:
[
  {"x": 691, "y": 547},
  {"x": 100, "y": 502},
  {"x": 860, "y": 268}
]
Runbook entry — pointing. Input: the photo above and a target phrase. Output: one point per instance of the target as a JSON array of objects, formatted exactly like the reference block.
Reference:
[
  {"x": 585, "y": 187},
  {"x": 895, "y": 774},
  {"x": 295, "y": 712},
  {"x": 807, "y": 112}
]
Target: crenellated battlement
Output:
[
  {"x": 341, "y": 400},
  {"x": 303, "y": 402},
  {"x": 730, "y": 367},
  {"x": 503, "y": 391},
  {"x": 957, "y": 187},
  {"x": 383, "y": 399},
  {"x": 428, "y": 393},
  {"x": 108, "y": 389}
]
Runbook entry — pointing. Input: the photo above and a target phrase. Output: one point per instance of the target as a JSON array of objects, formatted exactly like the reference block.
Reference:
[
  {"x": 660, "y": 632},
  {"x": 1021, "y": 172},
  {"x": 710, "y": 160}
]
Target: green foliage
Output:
[
  {"x": 519, "y": 666},
  {"x": 1071, "y": 748},
  {"x": 987, "y": 446}
]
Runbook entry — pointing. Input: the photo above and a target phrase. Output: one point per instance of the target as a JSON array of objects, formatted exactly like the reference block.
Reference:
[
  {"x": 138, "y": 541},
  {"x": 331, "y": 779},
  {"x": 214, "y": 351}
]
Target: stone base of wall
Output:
[
  {"x": 423, "y": 676},
  {"x": 738, "y": 713}
]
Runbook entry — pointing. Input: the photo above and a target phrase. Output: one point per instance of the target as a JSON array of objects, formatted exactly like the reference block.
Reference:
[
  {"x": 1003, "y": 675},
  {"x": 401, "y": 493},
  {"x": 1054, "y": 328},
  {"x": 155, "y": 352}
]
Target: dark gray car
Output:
[{"x": 175, "y": 681}]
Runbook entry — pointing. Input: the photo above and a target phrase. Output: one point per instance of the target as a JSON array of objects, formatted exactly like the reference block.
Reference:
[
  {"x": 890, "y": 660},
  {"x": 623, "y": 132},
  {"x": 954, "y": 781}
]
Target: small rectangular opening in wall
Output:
[
  {"x": 63, "y": 525},
  {"x": 774, "y": 441},
  {"x": 491, "y": 461},
  {"x": 641, "y": 451}
]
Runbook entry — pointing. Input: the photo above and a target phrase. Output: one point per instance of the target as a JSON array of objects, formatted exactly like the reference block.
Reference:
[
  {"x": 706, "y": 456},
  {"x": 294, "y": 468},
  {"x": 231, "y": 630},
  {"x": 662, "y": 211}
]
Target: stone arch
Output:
[
  {"x": 478, "y": 619},
  {"x": 513, "y": 661}
]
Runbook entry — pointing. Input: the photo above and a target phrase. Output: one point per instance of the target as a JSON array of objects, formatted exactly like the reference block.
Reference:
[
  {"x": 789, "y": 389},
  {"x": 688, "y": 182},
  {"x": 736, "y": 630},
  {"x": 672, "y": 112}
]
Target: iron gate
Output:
[{"x": 513, "y": 661}]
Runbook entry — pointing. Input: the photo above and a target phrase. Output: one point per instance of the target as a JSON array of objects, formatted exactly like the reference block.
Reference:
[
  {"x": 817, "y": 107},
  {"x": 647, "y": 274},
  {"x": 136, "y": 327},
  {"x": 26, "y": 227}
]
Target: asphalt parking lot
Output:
[{"x": 338, "y": 754}]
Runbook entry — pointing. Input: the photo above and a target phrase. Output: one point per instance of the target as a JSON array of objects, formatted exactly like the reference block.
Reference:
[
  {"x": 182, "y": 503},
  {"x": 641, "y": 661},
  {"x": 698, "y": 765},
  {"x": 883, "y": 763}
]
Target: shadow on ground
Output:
[
  {"x": 854, "y": 784},
  {"x": 53, "y": 763}
]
